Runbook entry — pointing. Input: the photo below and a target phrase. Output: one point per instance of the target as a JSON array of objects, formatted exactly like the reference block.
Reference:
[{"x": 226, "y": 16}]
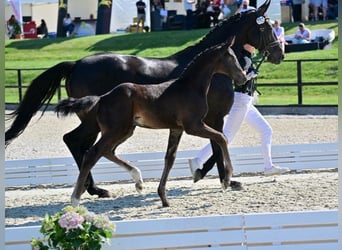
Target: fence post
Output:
[
  {"x": 20, "y": 85},
  {"x": 299, "y": 82}
]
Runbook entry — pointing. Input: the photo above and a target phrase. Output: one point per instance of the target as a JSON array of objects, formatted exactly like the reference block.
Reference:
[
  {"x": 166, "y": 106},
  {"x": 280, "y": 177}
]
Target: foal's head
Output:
[{"x": 229, "y": 65}]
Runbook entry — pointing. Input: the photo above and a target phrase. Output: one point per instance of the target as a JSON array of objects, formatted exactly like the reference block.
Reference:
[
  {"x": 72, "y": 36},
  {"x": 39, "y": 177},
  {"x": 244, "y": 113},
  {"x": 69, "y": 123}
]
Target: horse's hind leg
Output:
[
  {"x": 120, "y": 137},
  {"x": 78, "y": 142},
  {"x": 134, "y": 171},
  {"x": 174, "y": 138},
  {"x": 89, "y": 160}
]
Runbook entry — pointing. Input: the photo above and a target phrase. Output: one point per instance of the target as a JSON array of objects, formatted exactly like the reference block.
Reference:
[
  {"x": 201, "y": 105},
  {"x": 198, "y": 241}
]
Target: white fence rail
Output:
[
  {"x": 245, "y": 159},
  {"x": 312, "y": 230}
]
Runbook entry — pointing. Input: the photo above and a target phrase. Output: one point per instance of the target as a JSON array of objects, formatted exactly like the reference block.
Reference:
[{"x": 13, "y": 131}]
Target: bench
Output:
[
  {"x": 311, "y": 230},
  {"x": 245, "y": 160},
  {"x": 319, "y": 40}
]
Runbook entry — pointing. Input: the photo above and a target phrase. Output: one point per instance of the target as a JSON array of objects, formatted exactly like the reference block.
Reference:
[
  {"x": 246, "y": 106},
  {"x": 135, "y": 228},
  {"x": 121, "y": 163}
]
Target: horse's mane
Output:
[
  {"x": 215, "y": 33},
  {"x": 201, "y": 59}
]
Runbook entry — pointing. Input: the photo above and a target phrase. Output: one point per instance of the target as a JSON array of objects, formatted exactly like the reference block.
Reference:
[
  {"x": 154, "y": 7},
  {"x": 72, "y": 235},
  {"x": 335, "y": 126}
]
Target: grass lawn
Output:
[{"x": 44, "y": 53}]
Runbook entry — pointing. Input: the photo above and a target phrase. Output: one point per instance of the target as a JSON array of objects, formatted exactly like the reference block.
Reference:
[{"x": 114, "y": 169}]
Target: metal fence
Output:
[{"x": 299, "y": 84}]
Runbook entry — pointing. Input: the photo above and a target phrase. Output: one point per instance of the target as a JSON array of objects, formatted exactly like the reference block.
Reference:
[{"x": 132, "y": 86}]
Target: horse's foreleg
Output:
[
  {"x": 200, "y": 173},
  {"x": 202, "y": 130},
  {"x": 218, "y": 157},
  {"x": 78, "y": 142},
  {"x": 174, "y": 138}
]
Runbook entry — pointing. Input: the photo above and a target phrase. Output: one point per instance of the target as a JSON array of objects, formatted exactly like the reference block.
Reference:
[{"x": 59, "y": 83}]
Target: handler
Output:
[{"x": 243, "y": 109}]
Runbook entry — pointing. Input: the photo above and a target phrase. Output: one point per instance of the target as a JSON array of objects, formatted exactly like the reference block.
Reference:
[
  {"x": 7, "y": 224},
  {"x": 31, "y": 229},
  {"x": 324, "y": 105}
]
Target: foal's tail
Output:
[
  {"x": 40, "y": 92},
  {"x": 75, "y": 105}
]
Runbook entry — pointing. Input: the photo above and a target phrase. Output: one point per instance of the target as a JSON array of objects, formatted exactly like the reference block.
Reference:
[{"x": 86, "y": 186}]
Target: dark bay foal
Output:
[{"x": 179, "y": 105}]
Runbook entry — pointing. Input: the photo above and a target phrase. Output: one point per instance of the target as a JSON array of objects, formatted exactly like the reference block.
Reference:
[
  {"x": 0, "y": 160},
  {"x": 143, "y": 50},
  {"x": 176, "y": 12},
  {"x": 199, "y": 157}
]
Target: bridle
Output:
[{"x": 260, "y": 21}]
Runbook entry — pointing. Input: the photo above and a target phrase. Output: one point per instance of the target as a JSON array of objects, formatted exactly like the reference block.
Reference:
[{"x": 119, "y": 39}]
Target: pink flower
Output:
[{"x": 71, "y": 220}]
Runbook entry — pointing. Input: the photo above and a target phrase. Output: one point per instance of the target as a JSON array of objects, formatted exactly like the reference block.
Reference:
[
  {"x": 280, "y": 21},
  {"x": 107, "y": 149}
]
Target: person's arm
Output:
[
  {"x": 239, "y": 9},
  {"x": 298, "y": 35},
  {"x": 281, "y": 36},
  {"x": 308, "y": 35}
]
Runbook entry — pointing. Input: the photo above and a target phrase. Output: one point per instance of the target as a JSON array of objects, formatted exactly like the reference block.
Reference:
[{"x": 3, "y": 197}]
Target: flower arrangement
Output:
[{"x": 74, "y": 228}]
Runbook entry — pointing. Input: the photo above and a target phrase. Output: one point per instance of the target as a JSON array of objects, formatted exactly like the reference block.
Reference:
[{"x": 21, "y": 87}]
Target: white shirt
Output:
[
  {"x": 67, "y": 21},
  {"x": 247, "y": 9},
  {"x": 188, "y": 4},
  {"x": 306, "y": 34}
]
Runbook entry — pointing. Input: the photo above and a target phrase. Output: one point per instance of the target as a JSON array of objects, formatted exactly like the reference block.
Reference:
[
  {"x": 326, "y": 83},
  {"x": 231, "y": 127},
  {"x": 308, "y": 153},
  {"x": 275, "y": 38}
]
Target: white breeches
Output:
[{"x": 243, "y": 110}]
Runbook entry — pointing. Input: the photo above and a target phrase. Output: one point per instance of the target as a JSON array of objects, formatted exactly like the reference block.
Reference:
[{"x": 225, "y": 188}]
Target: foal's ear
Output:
[{"x": 263, "y": 8}]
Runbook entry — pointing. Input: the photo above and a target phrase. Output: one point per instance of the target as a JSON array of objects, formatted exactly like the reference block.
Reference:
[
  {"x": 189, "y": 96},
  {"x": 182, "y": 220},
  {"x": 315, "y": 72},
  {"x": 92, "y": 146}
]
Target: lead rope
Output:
[{"x": 264, "y": 55}]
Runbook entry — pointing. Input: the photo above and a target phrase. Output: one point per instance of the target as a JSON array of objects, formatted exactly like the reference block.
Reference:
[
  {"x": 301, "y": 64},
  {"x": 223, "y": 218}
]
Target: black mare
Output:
[
  {"x": 98, "y": 74},
  {"x": 178, "y": 105}
]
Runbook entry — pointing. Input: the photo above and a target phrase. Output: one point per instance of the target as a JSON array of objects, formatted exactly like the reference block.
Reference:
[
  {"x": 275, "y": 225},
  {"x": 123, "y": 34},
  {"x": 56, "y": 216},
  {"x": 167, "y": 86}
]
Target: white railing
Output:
[
  {"x": 312, "y": 230},
  {"x": 245, "y": 159}
]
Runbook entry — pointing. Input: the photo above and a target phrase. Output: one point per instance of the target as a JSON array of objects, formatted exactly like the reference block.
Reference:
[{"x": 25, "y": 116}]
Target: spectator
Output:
[
  {"x": 226, "y": 9},
  {"x": 213, "y": 11},
  {"x": 42, "y": 29},
  {"x": 68, "y": 25},
  {"x": 316, "y": 4},
  {"x": 280, "y": 33},
  {"x": 297, "y": 10},
  {"x": 188, "y": 7},
  {"x": 13, "y": 28},
  {"x": 302, "y": 35},
  {"x": 244, "y": 7},
  {"x": 141, "y": 14},
  {"x": 233, "y": 5},
  {"x": 332, "y": 10}
]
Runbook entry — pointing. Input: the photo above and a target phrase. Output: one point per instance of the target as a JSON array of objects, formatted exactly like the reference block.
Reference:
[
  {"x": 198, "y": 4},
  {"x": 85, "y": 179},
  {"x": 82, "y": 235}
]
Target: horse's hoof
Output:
[
  {"x": 75, "y": 202},
  {"x": 197, "y": 175},
  {"x": 139, "y": 187},
  {"x": 165, "y": 203},
  {"x": 225, "y": 184},
  {"x": 236, "y": 185},
  {"x": 101, "y": 193}
]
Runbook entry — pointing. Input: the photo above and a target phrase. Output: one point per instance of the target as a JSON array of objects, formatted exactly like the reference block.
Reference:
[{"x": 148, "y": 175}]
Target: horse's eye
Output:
[{"x": 260, "y": 20}]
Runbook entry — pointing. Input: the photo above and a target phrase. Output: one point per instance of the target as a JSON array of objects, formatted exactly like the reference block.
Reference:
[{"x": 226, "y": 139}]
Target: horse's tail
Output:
[
  {"x": 40, "y": 92},
  {"x": 74, "y": 105}
]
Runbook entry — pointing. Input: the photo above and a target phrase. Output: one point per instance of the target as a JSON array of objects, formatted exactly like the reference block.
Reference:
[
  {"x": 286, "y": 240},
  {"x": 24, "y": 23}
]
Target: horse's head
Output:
[
  {"x": 228, "y": 63},
  {"x": 257, "y": 31}
]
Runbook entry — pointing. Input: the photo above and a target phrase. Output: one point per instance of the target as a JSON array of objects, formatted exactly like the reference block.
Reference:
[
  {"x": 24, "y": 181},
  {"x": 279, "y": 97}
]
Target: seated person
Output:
[
  {"x": 302, "y": 35},
  {"x": 68, "y": 25},
  {"x": 280, "y": 33},
  {"x": 42, "y": 29}
]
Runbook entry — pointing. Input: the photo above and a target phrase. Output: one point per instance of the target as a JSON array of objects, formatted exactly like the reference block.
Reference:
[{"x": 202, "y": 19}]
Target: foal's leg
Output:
[
  {"x": 174, "y": 138},
  {"x": 78, "y": 142},
  {"x": 202, "y": 130},
  {"x": 120, "y": 137},
  {"x": 89, "y": 160},
  {"x": 134, "y": 171}
]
